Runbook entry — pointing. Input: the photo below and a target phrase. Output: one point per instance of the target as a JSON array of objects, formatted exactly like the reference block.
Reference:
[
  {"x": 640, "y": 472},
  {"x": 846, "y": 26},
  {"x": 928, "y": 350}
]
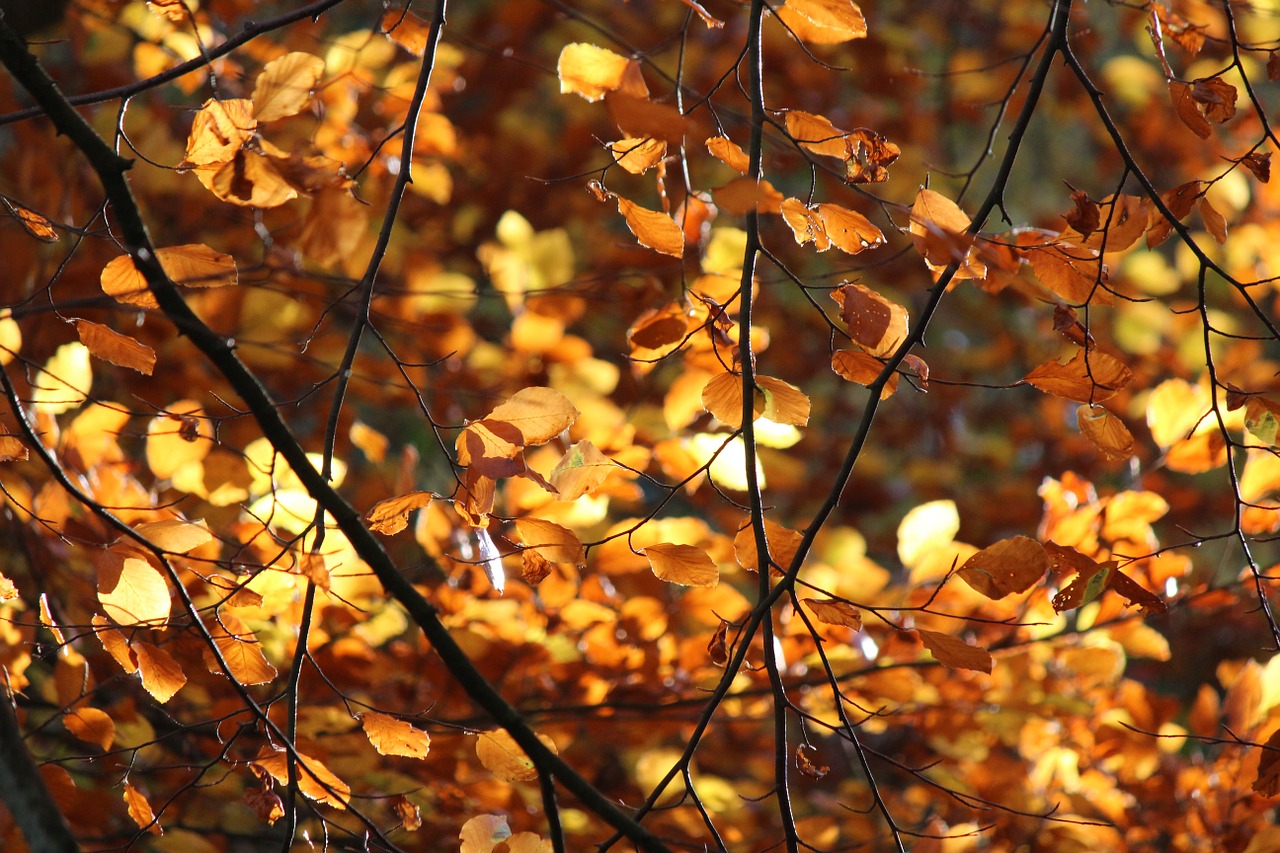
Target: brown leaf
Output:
[
  {"x": 718, "y": 647},
  {"x": 161, "y": 674},
  {"x": 218, "y": 130},
  {"x": 806, "y": 764},
  {"x": 1214, "y": 222},
  {"x": 1106, "y": 431},
  {"x": 581, "y": 471},
  {"x": 955, "y": 653},
  {"x": 722, "y": 397},
  {"x": 1085, "y": 379},
  {"x": 815, "y": 133},
  {"x": 1074, "y": 273},
  {"x": 1086, "y": 217},
  {"x": 876, "y": 324},
  {"x": 939, "y": 232},
  {"x": 1259, "y": 163},
  {"x": 1216, "y": 97},
  {"x": 868, "y": 155},
  {"x": 315, "y": 781},
  {"x": 863, "y": 369},
  {"x": 1006, "y": 567},
  {"x": 534, "y": 567},
  {"x": 240, "y": 650},
  {"x": 1268, "y": 781},
  {"x": 109, "y": 345},
  {"x": 653, "y": 230},
  {"x": 539, "y": 414},
  {"x": 33, "y": 223},
  {"x": 686, "y": 565},
  {"x": 1185, "y": 105}
]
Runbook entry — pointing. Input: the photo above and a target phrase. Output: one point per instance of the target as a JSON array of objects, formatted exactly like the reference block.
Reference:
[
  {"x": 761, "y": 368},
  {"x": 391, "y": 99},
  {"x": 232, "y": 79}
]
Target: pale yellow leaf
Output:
[
  {"x": 132, "y": 591},
  {"x": 284, "y": 86}
]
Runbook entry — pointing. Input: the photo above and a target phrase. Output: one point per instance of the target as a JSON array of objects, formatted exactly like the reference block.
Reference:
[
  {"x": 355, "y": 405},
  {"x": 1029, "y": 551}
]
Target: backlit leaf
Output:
[
  {"x": 1185, "y": 105},
  {"x": 653, "y": 230},
  {"x": 939, "y": 231},
  {"x": 1005, "y": 567},
  {"x": 848, "y": 230},
  {"x": 64, "y": 381},
  {"x": 1089, "y": 378},
  {"x": 859, "y": 367},
  {"x": 315, "y": 781},
  {"x": 876, "y": 324},
  {"x": 728, "y": 152},
  {"x": 805, "y": 224},
  {"x": 686, "y": 565},
  {"x": 816, "y": 133},
  {"x": 284, "y": 86},
  {"x": 783, "y": 402},
  {"x": 140, "y": 810},
  {"x": 161, "y": 674},
  {"x": 91, "y": 725},
  {"x": 503, "y": 757},
  {"x": 1106, "y": 431},
  {"x": 830, "y": 21},
  {"x": 638, "y": 156},
  {"x": 582, "y": 470},
  {"x": 955, "y": 653},
  {"x": 926, "y": 527},
  {"x": 218, "y": 131},
  {"x": 132, "y": 591},
  {"x": 594, "y": 72},
  {"x": 722, "y": 397},
  {"x": 783, "y": 544},
  {"x": 175, "y": 535},
  {"x": 392, "y": 515},
  {"x": 538, "y": 414},
  {"x": 241, "y": 651},
  {"x": 114, "y": 347},
  {"x": 392, "y": 736},
  {"x": 555, "y": 542},
  {"x": 834, "y": 611}
]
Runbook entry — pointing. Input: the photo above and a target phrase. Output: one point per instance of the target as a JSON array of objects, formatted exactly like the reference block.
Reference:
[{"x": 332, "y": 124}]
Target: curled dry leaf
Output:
[
  {"x": 109, "y": 345},
  {"x": 1185, "y": 106},
  {"x": 1106, "y": 431},
  {"x": 686, "y": 565},
  {"x": 653, "y": 230},
  {"x": 1215, "y": 97},
  {"x": 392, "y": 515},
  {"x": 868, "y": 156},
  {"x": 1259, "y": 163},
  {"x": 863, "y": 369},
  {"x": 1006, "y": 567},
  {"x": 955, "y": 653},
  {"x": 807, "y": 764},
  {"x": 594, "y": 72},
  {"x": 503, "y": 757},
  {"x": 1085, "y": 378},
  {"x": 284, "y": 86},
  {"x": 835, "y": 611},
  {"x": 876, "y": 324},
  {"x": 392, "y": 736},
  {"x": 40, "y": 227}
]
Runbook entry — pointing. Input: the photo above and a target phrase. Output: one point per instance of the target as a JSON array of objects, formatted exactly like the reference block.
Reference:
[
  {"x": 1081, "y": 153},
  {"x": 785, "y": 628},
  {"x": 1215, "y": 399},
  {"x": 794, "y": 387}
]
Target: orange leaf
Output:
[
  {"x": 218, "y": 131},
  {"x": 249, "y": 179},
  {"x": 784, "y": 403},
  {"x": 315, "y": 781},
  {"x": 132, "y": 591},
  {"x": 196, "y": 265},
  {"x": 939, "y": 231},
  {"x": 91, "y": 726},
  {"x": 830, "y": 21},
  {"x": 582, "y": 470},
  {"x": 33, "y": 223},
  {"x": 1084, "y": 379},
  {"x": 743, "y": 195},
  {"x": 863, "y": 369},
  {"x": 1185, "y": 105},
  {"x": 1267, "y": 782},
  {"x": 1106, "y": 431},
  {"x": 558, "y": 544},
  {"x": 594, "y": 72},
  {"x": 1008, "y": 566},
  {"x": 783, "y": 544},
  {"x": 175, "y": 535},
  {"x": 1214, "y": 222},
  {"x": 722, "y": 397},
  {"x": 653, "y": 230},
  {"x": 638, "y": 156},
  {"x": 955, "y": 653},
  {"x": 835, "y": 611},
  {"x": 805, "y": 224},
  {"x": 503, "y": 757},
  {"x": 686, "y": 565},
  {"x": 729, "y": 152},
  {"x": 140, "y": 810},
  {"x": 876, "y": 324},
  {"x": 538, "y": 414},
  {"x": 392, "y": 736},
  {"x": 240, "y": 650},
  {"x": 848, "y": 230},
  {"x": 161, "y": 674},
  {"x": 392, "y": 515},
  {"x": 284, "y": 86},
  {"x": 816, "y": 133},
  {"x": 1073, "y": 273}
]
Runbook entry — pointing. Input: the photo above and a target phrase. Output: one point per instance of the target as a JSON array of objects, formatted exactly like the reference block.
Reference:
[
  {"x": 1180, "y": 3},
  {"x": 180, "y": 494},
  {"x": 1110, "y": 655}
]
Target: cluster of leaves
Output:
[{"x": 458, "y": 426}]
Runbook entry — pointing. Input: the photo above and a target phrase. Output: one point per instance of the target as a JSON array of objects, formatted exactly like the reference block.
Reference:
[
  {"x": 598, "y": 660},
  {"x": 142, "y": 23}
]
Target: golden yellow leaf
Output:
[
  {"x": 955, "y": 653},
  {"x": 729, "y": 152},
  {"x": 8, "y": 591},
  {"x": 1085, "y": 379},
  {"x": 175, "y": 535},
  {"x": 132, "y": 591},
  {"x": 1106, "y": 431},
  {"x": 1005, "y": 567},
  {"x": 197, "y": 265},
  {"x": 848, "y": 230},
  {"x": 121, "y": 281},
  {"x": 1175, "y": 409},
  {"x": 140, "y": 810},
  {"x": 638, "y": 156},
  {"x": 653, "y": 230},
  {"x": 557, "y": 543},
  {"x": 114, "y": 347},
  {"x": 835, "y": 611},
  {"x": 483, "y": 832},
  {"x": 582, "y": 470},
  {"x": 336, "y": 223},
  {"x": 816, "y": 133},
  {"x": 240, "y": 649},
  {"x": 392, "y": 515},
  {"x": 371, "y": 443},
  {"x": 91, "y": 725},
  {"x": 805, "y": 224},
  {"x": 284, "y": 86},
  {"x": 315, "y": 781},
  {"x": 783, "y": 544},
  {"x": 179, "y": 436},
  {"x": 824, "y": 21},
  {"x": 863, "y": 369},
  {"x": 594, "y": 72},
  {"x": 686, "y": 565},
  {"x": 938, "y": 229},
  {"x": 249, "y": 179},
  {"x": 876, "y": 324},
  {"x": 12, "y": 449},
  {"x": 161, "y": 674},
  {"x": 503, "y": 757},
  {"x": 218, "y": 131},
  {"x": 64, "y": 381},
  {"x": 392, "y": 736},
  {"x": 10, "y": 336},
  {"x": 926, "y": 527},
  {"x": 784, "y": 403},
  {"x": 539, "y": 414},
  {"x": 33, "y": 223}
]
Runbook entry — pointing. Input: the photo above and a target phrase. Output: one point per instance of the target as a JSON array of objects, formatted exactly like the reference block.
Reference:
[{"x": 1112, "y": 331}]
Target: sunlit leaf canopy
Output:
[{"x": 457, "y": 432}]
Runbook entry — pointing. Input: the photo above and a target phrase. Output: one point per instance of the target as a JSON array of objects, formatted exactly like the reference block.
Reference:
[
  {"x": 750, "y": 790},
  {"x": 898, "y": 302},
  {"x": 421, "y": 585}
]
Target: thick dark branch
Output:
[{"x": 23, "y": 790}]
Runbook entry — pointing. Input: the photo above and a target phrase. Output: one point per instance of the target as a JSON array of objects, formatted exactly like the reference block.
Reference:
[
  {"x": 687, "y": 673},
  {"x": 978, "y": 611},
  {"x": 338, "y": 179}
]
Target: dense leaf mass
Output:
[{"x": 451, "y": 429}]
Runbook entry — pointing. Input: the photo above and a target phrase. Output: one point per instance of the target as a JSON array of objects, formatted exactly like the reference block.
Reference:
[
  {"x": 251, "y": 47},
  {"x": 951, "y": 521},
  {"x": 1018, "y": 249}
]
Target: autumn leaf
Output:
[
  {"x": 132, "y": 591},
  {"x": 782, "y": 541},
  {"x": 815, "y": 133},
  {"x": 1006, "y": 567},
  {"x": 824, "y": 21},
  {"x": 876, "y": 324},
  {"x": 722, "y": 397},
  {"x": 91, "y": 726},
  {"x": 728, "y": 152},
  {"x": 555, "y": 542},
  {"x": 1106, "y": 431},
  {"x": 33, "y": 223},
  {"x": 594, "y": 72},
  {"x": 1088, "y": 377},
  {"x": 218, "y": 131},
  {"x": 686, "y": 565},
  {"x": 581, "y": 471},
  {"x": 939, "y": 231},
  {"x": 848, "y": 230},
  {"x": 834, "y": 611},
  {"x": 538, "y": 414},
  {"x": 638, "y": 156},
  {"x": 1267, "y": 782},
  {"x": 284, "y": 86},
  {"x": 161, "y": 674},
  {"x": 805, "y": 224},
  {"x": 863, "y": 369},
  {"x": 392, "y": 736},
  {"x": 503, "y": 757},
  {"x": 315, "y": 781},
  {"x": 653, "y": 230},
  {"x": 955, "y": 653},
  {"x": 140, "y": 810},
  {"x": 175, "y": 535},
  {"x": 240, "y": 650},
  {"x": 391, "y": 515},
  {"x": 1185, "y": 105}
]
